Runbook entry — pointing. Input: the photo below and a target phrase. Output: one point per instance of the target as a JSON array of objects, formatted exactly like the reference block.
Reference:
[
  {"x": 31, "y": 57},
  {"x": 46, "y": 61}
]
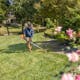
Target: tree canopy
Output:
[{"x": 65, "y": 12}]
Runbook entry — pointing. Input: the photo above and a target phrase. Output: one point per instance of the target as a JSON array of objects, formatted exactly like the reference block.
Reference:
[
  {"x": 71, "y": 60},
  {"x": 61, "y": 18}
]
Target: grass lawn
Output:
[{"x": 16, "y": 63}]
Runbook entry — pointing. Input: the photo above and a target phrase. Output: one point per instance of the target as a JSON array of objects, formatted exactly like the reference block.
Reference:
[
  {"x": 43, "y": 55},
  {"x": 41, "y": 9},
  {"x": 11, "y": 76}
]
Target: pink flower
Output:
[
  {"x": 73, "y": 57},
  {"x": 67, "y": 76},
  {"x": 69, "y": 32},
  {"x": 78, "y": 52},
  {"x": 77, "y": 77}
]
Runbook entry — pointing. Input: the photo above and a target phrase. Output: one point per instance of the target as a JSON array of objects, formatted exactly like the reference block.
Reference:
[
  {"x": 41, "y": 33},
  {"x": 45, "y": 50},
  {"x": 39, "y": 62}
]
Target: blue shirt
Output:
[{"x": 28, "y": 32}]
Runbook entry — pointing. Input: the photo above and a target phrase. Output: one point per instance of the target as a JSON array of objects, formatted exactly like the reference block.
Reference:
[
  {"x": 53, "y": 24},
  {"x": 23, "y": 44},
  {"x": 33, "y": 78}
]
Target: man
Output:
[{"x": 28, "y": 34}]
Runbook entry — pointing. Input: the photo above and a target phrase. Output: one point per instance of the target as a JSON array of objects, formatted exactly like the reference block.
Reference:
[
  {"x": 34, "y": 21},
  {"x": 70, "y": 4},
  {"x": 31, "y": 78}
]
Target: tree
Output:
[
  {"x": 25, "y": 10},
  {"x": 64, "y": 11},
  {"x": 5, "y": 7}
]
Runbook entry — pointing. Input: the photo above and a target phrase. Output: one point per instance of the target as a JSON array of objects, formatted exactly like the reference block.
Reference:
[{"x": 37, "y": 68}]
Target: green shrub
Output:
[
  {"x": 49, "y": 23},
  {"x": 49, "y": 33},
  {"x": 73, "y": 22},
  {"x": 59, "y": 36}
]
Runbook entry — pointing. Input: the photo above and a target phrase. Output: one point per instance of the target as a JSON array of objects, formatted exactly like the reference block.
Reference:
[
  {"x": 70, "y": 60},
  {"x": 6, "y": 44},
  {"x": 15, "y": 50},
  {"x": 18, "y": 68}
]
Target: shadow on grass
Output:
[
  {"x": 56, "y": 46},
  {"x": 50, "y": 46},
  {"x": 16, "y": 48}
]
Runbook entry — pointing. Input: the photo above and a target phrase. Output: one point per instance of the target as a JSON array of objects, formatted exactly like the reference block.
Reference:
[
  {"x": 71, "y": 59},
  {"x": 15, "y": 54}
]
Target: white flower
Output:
[
  {"x": 73, "y": 57},
  {"x": 58, "y": 29},
  {"x": 67, "y": 76},
  {"x": 78, "y": 67}
]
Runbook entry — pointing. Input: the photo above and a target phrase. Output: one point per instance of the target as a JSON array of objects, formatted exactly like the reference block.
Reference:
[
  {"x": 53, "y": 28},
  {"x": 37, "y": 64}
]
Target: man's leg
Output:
[{"x": 29, "y": 44}]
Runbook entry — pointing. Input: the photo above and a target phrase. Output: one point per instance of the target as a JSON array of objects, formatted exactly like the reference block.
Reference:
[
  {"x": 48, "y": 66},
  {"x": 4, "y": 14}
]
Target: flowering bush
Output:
[
  {"x": 70, "y": 36},
  {"x": 72, "y": 71}
]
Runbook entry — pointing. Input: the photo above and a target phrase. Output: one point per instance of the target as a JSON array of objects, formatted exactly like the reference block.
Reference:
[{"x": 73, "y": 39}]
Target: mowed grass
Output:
[{"x": 17, "y": 63}]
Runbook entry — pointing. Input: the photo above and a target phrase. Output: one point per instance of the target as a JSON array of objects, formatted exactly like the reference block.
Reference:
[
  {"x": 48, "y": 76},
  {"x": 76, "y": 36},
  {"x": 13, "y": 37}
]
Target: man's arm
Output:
[{"x": 24, "y": 32}]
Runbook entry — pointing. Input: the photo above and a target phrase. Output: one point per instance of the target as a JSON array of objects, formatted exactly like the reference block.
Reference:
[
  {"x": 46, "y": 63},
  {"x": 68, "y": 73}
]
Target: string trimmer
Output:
[{"x": 32, "y": 43}]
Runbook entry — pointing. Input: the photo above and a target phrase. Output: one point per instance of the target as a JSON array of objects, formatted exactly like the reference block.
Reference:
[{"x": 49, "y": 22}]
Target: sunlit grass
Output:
[{"x": 17, "y": 63}]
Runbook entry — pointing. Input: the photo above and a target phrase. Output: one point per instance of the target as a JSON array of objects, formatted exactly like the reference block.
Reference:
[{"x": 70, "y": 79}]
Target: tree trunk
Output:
[
  {"x": 22, "y": 24},
  {"x": 22, "y": 28},
  {"x": 7, "y": 30}
]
